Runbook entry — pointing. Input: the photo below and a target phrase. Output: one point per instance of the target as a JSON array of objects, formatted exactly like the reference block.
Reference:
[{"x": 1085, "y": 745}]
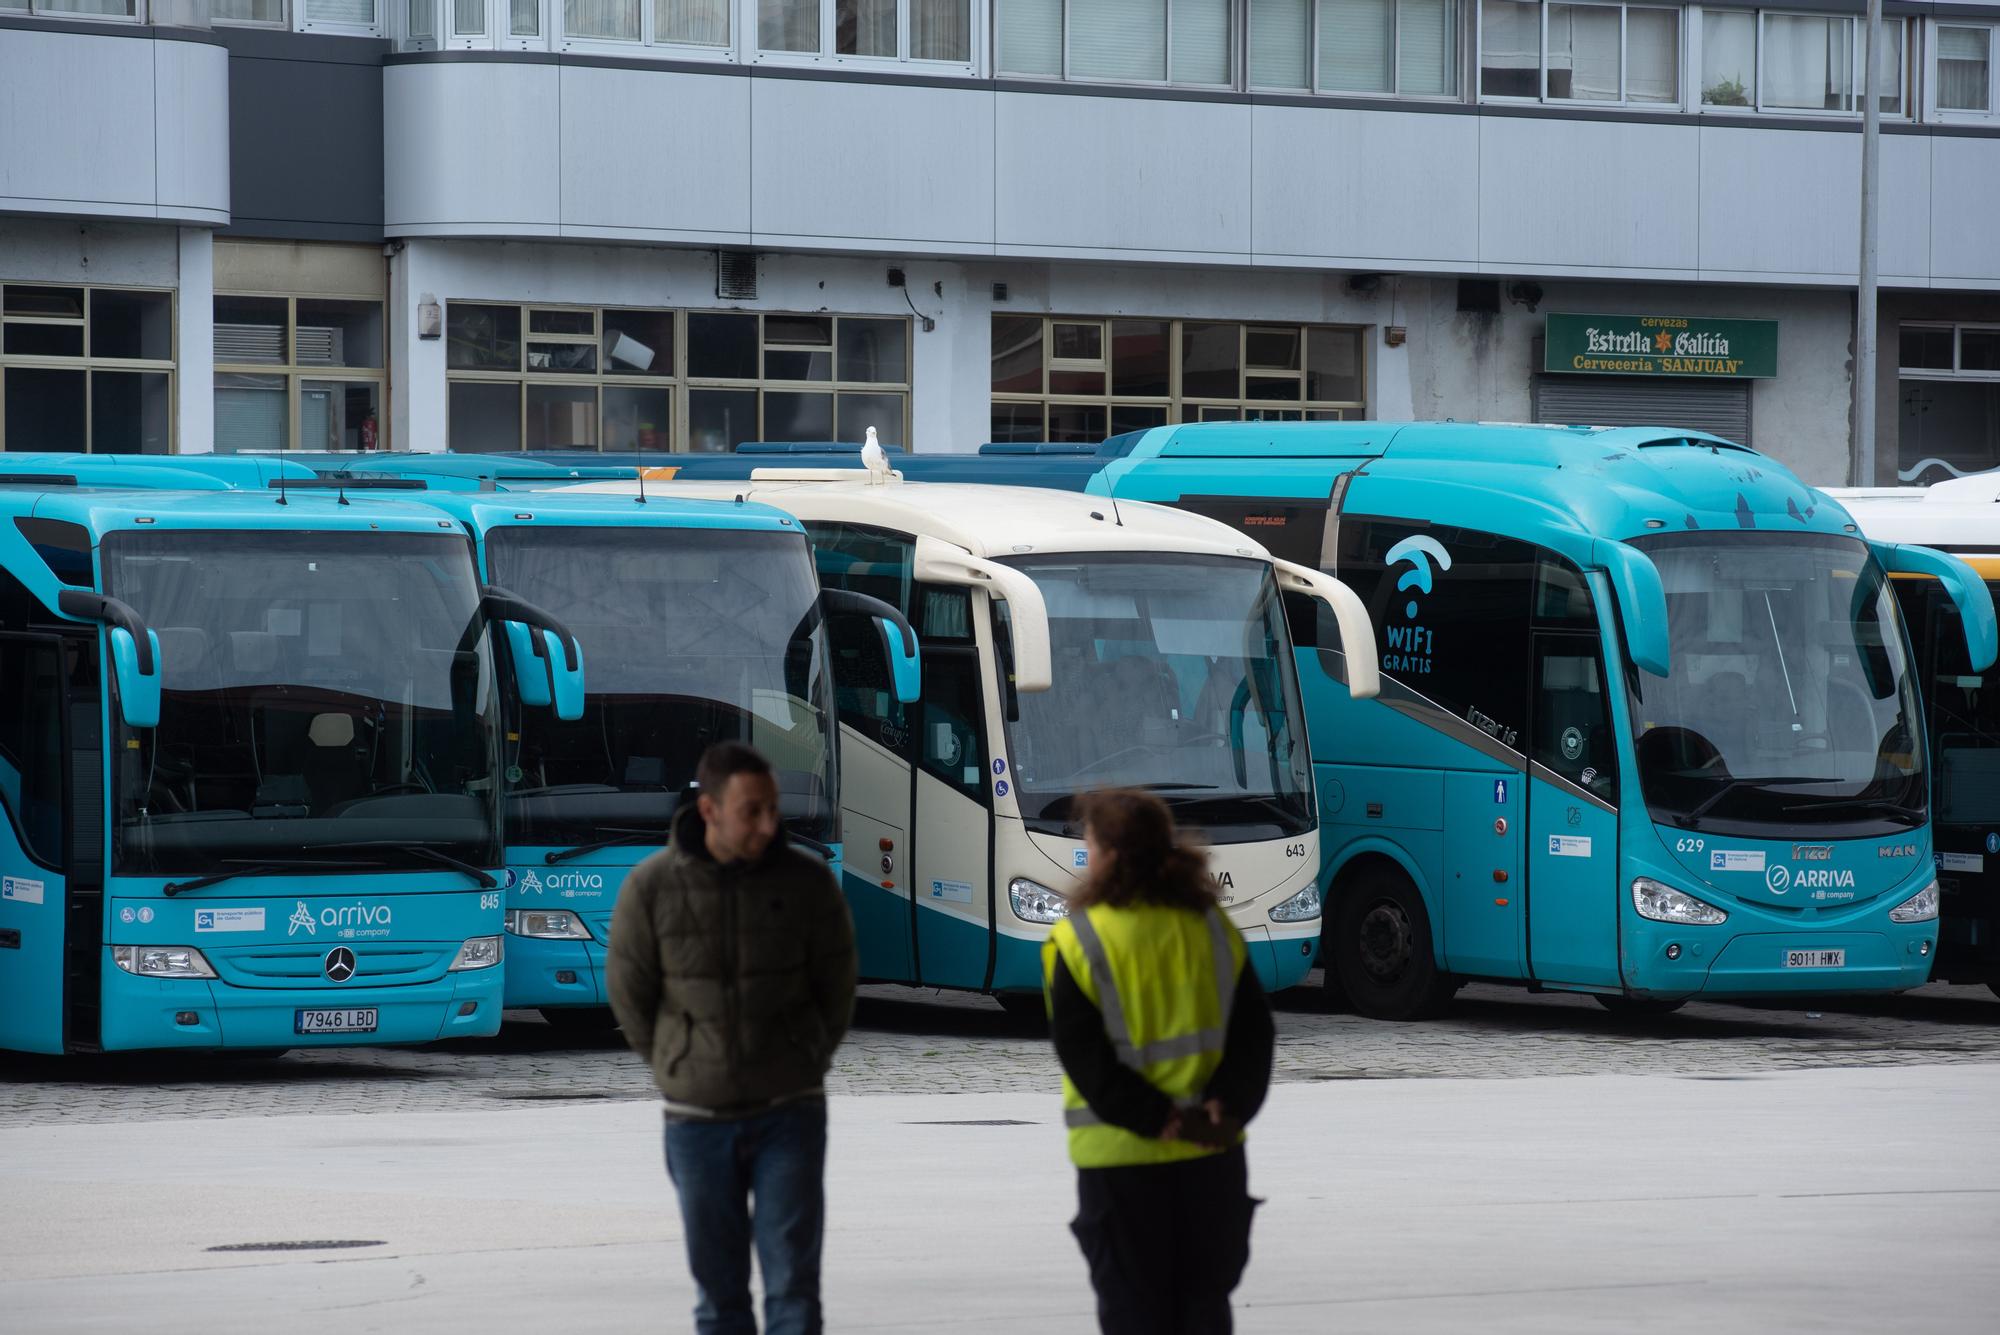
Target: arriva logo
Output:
[
  {"x": 574, "y": 880},
  {"x": 302, "y": 917},
  {"x": 531, "y": 884},
  {"x": 345, "y": 915}
]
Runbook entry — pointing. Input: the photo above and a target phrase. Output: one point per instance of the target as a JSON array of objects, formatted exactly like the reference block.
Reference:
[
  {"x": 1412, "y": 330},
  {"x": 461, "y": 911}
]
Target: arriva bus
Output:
[
  {"x": 1648, "y": 726},
  {"x": 1068, "y": 645},
  {"x": 702, "y": 621},
  {"x": 1960, "y": 517},
  {"x": 249, "y": 743}
]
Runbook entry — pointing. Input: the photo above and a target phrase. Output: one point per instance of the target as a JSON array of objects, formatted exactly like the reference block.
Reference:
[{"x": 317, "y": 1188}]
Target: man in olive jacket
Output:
[{"x": 731, "y": 970}]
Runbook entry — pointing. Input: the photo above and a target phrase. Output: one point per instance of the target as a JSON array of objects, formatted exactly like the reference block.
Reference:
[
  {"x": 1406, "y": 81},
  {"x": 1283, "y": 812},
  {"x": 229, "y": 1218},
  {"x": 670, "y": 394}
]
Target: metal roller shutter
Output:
[{"x": 1720, "y": 407}]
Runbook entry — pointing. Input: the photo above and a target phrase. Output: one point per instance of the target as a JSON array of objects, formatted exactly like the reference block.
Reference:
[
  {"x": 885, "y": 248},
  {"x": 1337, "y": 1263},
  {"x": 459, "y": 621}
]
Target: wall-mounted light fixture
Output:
[{"x": 430, "y": 317}]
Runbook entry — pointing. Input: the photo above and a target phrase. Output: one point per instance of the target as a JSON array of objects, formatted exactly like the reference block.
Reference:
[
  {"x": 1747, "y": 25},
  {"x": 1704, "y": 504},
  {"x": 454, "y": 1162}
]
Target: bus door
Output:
[
  {"x": 35, "y": 726},
  {"x": 952, "y": 866},
  {"x": 1572, "y": 845}
]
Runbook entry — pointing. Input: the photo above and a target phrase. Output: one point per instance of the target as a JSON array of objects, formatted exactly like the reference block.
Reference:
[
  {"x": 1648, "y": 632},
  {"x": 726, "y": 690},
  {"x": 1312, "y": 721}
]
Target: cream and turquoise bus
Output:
[{"x": 1069, "y": 643}]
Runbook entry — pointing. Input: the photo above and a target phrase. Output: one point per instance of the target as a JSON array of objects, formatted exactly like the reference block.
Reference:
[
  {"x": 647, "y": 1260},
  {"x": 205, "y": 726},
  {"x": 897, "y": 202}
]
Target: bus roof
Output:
[
  {"x": 469, "y": 472},
  {"x": 574, "y": 507},
  {"x": 1928, "y": 518},
  {"x": 102, "y": 511},
  {"x": 235, "y": 470}
]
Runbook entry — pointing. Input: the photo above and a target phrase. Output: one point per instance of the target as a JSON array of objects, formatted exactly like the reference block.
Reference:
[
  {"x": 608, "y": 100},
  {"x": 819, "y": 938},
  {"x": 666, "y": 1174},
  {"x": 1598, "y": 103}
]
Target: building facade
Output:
[{"x": 664, "y": 225}]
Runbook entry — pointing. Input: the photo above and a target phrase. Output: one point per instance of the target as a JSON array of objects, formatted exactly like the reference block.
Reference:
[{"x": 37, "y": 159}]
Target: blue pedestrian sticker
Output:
[
  {"x": 1000, "y": 788},
  {"x": 1993, "y": 843},
  {"x": 1500, "y": 791},
  {"x": 999, "y": 766}
]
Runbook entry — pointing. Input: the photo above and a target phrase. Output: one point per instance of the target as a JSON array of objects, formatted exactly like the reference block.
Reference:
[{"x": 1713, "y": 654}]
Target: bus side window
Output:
[
  {"x": 879, "y": 564},
  {"x": 953, "y": 706},
  {"x": 1572, "y": 731},
  {"x": 31, "y": 762}
]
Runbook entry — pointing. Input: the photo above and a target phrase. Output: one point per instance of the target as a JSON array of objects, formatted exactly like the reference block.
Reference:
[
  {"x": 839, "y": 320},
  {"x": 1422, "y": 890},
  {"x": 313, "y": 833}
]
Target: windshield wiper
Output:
[
  {"x": 618, "y": 836},
  {"x": 1880, "y": 805},
  {"x": 486, "y": 880},
  {"x": 1731, "y": 785},
  {"x": 1175, "y": 787},
  {"x": 254, "y": 867}
]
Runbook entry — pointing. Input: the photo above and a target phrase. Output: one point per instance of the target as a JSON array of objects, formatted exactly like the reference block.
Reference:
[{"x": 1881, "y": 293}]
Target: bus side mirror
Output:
[
  {"x": 543, "y": 646},
  {"x": 1358, "y": 645},
  {"x": 899, "y": 638},
  {"x": 531, "y": 671},
  {"x": 939, "y": 562},
  {"x": 1642, "y": 603},
  {"x": 1967, "y": 590},
  {"x": 135, "y": 652}
]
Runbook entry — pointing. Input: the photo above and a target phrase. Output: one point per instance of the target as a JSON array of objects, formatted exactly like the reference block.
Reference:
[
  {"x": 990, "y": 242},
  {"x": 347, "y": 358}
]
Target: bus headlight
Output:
[
  {"x": 556, "y": 924},
  {"x": 1663, "y": 903},
  {"x": 481, "y": 952},
  {"x": 1302, "y": 907},
  {"x": 162, "y": 961},
  {"x": 1035, "y": 902},
  {"x": 1920, "y": 907}
]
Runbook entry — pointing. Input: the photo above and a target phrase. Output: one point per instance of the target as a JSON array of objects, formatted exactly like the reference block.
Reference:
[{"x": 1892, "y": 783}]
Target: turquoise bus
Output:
[
  {"x": 1648, "y": 726},
  {"x": 249, "y": 755}
]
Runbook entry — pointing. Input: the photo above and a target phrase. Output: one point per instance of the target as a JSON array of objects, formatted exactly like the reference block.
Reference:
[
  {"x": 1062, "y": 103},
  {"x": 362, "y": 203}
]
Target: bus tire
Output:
[
  {"x": 580, "y": 1019},
  {"x": 1639, "y": 1007},
  {"x": 1381, "y": 949}
]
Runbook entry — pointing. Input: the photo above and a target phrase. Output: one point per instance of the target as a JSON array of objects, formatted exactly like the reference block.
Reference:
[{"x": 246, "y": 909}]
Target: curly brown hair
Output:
[{"x": 1149, "y": 863}]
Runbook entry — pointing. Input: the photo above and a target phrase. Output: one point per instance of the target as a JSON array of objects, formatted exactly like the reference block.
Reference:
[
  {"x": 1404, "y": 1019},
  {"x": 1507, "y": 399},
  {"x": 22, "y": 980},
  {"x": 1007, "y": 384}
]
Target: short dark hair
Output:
[{"x": 724, "y": 761}]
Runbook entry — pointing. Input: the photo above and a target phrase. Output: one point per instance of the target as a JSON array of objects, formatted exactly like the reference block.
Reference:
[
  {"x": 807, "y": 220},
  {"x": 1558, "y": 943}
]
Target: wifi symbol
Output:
[{"x": 1420, "y": 551}]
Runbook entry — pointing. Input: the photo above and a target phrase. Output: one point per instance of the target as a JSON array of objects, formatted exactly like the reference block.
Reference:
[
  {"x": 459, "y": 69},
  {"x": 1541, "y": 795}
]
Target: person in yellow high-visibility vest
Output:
[{"x": 1166, "y": 1041}]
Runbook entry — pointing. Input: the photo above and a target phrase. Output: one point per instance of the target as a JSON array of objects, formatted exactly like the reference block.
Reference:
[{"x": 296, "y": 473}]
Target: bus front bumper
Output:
[
  {"x": 1756, "y": 964},
  {"x": 142, "y": 1013},
  {"x": 542, "y": 971}
]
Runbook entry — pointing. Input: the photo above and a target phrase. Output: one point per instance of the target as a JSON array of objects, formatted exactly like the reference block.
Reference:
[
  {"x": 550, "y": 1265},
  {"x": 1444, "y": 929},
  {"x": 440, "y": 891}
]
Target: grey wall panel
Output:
[
  {"x": 1121, "y": 174},
  {"x": 305, "y": 133},
  {"x": 1905, "y": 253},
  {"x": 860, "y": 160},
  {"x": 1566, "y": 194},
  {"x": 191, "y": 132},
  {"x": 666, "y": 153},
  {"x": 78, "y": 117},
  {"x": 1366, "y": 184},
  {"x": 1965, "y": 201},
  {"x": 1780, "y": 202},
  {"x": 476, "y": 150}
]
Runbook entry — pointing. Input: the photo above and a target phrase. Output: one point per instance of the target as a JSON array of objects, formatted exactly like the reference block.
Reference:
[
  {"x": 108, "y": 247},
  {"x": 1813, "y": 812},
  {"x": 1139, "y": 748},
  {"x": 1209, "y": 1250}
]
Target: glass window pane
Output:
[
  {"x": 251, "y": 331},
  {"x": 1118, "y": 39},
  {"x": 721, "y": 419},
  {"x": 352, "y": 13},
  {"x": 722, "y": 346},
  {"x": 1583, "y": 53},
  {"x": 875, "y": 351},
  {"x": 1979, "y": 350},
  {"x": 1076, "y": 382},
  {"x": 1357, "y": 45},
  {"x": 1031, "y": 40},
  {"x": 562, "y": 417},
  {"x": 1017, "y": 354},
  {"x": 1261, "y": 387},
  {"x": 1208, "y": 361},
  {"x": 789, "y": 416},
  {"x": 247, "y": 11},
  {"x": 1140, "y": 352},
  {"x": 1888, "y": 67},
  {"x": 132, "y": 324},
  {"x": 1207, "y": 414},
  {"x": 422, "y": 20},
  {"x": 864, "y": 27},
  {"x": 940, "y": 30},
  {"x": 1728, "y": 58},
  {"x": 44, "y": 409},
  {"x": 1427, "y": 48},
  {"x": 697, "y": 22},
  {"x": 562, "y": 322},
  {"x": 1201, "y": 41},
  {"x": 811, "y": 331},
  {"x": 1136, "y": 417},
  {"x": 785, "y": 365},
  {"x": 43, "y": 340},
  {"x": 250, "y": 413},
  {"x": 340, "y": 333},
  {"x": 1956, "y": 422},
  {"x": 524, "y": 18},
  {"x": 1279, "y": 41},
  {"x": 485, "y": 418},
  {"x": 1074, "y": 422},
  {"x": 1510, "y": 49},
  {"x": 340, "y": 414},
  {"x": 638, "y": 417},
  {"x": 1016, "y": 422},
  {"x": 130, "y": 412},
  {"x": 788, "y": 25},
  {"x": 612, "y": 20},
  {"x": 1808, "y": 62},
  {"x": 884, "y": 412},
  {"x": 1925, "y": 348},
  {"x": 1333, "y": 365},
  {"x": 563, "y": 358},
  {"x": 98, "y": 8},
  {"x": 64, "y": 303},
  {"x": 638, "y": 343},
  {"x": 1963, "y": 64},
  {"x": 481, "y": 338},
  {"x": 1652, "y": 55},
  {"x": 1271, "y": 414},
  {"x": 1272, "y": 349},
  {"x": 1077, "y": 342},
  {"x": 468, "y": 18}
]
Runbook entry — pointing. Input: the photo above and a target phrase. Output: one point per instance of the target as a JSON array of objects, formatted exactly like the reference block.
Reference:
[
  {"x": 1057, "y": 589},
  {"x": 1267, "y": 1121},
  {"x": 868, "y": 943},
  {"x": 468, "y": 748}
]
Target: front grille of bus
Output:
[{"x": 383, "y": 964}]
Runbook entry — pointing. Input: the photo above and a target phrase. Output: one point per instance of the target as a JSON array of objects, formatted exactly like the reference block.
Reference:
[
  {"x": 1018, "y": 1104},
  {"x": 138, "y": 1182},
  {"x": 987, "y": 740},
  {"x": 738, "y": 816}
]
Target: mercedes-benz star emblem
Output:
[{"x": 340, "y": 964}]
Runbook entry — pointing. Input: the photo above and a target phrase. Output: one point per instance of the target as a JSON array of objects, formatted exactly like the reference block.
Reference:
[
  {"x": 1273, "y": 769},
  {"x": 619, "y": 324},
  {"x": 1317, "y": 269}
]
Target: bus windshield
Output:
[
  {"x": 1172, "y": 673},
  {"x": 1790, "y": 701},
  {"x": 690, "y": 636},
  {"x": 320, "y": 691}
]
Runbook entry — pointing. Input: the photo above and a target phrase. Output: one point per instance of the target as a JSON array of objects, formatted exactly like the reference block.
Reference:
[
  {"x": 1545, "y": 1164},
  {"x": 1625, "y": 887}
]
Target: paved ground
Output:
[{"x": 909, "y": 1042}]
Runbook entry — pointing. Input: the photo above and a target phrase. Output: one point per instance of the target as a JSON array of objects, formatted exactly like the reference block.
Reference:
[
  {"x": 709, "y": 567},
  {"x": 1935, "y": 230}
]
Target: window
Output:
[
  {"x": 298, "y": 373},
  {"x": 951, "y": 742},
  {"x": 32, "y": 707},
  {"x": 1388, "y": 46},
  {"x": 1618, "y": 54},
  {"x": 86, "y": 368},
  {"x": 86, "y": 9},
  {"x": 618, "y": 379},
  {"x": 928, "y": 30},
  {"x": 1126, "y": 41},
  {"x": 1572, "y": 733},
  {"x": 1783, "y": 61},
  {"x": 880, "y": 564},
  {"x": 248, "y": 13},
  {"x": 1082, "y": 379},
  {"x": 339, "y": 15},
  {"x": 1964, "y": 68},
  {"x": 1950, "y": 401}
]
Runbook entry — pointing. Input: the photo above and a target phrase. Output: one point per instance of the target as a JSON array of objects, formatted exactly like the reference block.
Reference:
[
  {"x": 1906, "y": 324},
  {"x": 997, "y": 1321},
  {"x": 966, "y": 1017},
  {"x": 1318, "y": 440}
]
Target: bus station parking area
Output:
[{"x": 1526, "y": 1162}]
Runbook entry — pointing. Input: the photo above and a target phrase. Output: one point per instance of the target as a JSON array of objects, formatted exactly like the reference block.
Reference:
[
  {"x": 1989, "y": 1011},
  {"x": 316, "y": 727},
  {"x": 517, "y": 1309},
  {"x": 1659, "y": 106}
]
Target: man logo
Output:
[
  {"x": 1420, "y": 550},
  {"x": 301, "y": 917},
  {"x": 340, "y": 964},
  {"x": 1779, "y": 878}
]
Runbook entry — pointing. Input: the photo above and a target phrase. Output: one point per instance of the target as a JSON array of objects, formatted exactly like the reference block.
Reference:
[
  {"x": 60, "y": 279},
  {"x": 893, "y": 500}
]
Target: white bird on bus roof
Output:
[{"x": 874, "y": 457}]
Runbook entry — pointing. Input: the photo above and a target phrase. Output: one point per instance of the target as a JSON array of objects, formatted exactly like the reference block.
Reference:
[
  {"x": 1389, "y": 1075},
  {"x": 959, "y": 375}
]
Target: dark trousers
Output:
[
  {"x": 1166, "y": 1243},
  {"x": 777, "y": 1159}
]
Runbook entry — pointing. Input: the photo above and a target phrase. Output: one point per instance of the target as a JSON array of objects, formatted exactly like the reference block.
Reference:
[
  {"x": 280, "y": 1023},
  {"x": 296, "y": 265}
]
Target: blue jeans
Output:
[{"x": 779, "y": 1159}]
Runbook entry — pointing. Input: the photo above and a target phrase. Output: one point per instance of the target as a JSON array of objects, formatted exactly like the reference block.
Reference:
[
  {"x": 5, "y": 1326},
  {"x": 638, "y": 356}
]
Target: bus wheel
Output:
[
  {"x": 1027, "y": 1007},
  {"x": 1637, "y": 1007},
  {"x": 580, "y": 1019},
  {"x": 1382, "y": 950}
]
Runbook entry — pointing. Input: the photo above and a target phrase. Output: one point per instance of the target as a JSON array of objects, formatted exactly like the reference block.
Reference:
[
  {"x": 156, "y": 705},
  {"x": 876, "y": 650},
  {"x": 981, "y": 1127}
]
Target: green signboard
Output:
[{"x": 1664, "y": 345}]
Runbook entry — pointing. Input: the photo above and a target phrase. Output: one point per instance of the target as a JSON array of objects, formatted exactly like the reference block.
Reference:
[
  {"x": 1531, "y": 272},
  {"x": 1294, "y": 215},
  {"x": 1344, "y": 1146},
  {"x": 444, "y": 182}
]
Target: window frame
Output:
[
  {"x": 1454, "y": 65},
  {"x": 1239, "y": 46},
  {"x": 283, "y": 24},
  {"x": 300, "y": 23},
  {"x": 87, "y": 362},
  {"x": 140, "y": 14},
  {"x": 1933, "y": 44},
  {"x": 1692, "y": 88},
  {"x": 1956, "y": 372},
  {"x": 978, "y": 14},
  {"x": 296, "y": 373},
  {"x": 1624, "y": 101}
]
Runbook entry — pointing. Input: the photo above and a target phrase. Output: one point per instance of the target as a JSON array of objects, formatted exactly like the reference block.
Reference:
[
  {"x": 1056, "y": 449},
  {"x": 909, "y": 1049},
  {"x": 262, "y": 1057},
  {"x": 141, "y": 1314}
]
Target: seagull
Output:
[{"x": 875, "y": 458}]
